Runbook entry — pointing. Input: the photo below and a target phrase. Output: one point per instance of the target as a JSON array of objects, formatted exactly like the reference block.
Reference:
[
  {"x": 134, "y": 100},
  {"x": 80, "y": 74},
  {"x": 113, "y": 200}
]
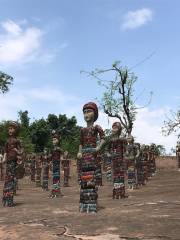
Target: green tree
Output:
[
  {"x": 5, "y": 82},
  {"x": 40, "y": 134},
  {"x": 3, "y": 133},
  {"x": 160, "y": 150},
  {"x": 118, "y": 98},
  {"x": 24, "y": 134}
]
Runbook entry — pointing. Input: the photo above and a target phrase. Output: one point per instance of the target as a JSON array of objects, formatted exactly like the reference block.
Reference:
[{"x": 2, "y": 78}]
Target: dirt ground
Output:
[{"x": 152, "y": 212}]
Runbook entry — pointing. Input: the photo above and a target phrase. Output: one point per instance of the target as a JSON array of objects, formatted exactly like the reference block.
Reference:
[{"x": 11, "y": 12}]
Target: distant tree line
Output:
[{"x": 36, "y": 135}]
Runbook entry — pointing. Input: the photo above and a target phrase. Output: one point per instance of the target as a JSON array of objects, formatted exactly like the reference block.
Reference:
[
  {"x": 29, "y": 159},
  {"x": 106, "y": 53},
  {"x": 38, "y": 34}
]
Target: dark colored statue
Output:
[
  {"x": 45, "y": 170},
  {"x": 178, "y": 155},
  {"x": 66, "y": 162},
  {"x": 131, "y": 156},
  {"x": 38, "y": 170},
  {"x": 116, "y": 150},
  {"x": 56, "y": 160},
  {"x": 12, "y": 151}
]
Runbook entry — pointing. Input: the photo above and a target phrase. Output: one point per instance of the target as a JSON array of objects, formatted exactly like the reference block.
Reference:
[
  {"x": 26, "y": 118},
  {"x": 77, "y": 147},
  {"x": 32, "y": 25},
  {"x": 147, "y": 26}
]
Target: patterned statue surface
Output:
[
  {"x": 38, "y": 170},
  {"x": 131, "y": 156},
  {"x": 116, "y": 150},
  {"x": 1, "y": 165},
  {"x": 32, "y": 167},
  {"x": 87, "y": 156},
  {"x": 152, "y": 159},
  {"x": 144, "y": 162},
  {"x": 12, "y": 151},
  {"x": 139, "y": 165},
  {"x": 66, "y": 162},
  {"x": 56, "y": 160},
  {"x": 45, "y": 170},
  {"x": 178, "y": 155}
]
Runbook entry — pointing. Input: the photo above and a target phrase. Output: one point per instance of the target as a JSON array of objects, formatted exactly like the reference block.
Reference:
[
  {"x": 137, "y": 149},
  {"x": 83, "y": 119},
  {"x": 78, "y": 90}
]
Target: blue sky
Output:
[{"x": 45, "y": 44}]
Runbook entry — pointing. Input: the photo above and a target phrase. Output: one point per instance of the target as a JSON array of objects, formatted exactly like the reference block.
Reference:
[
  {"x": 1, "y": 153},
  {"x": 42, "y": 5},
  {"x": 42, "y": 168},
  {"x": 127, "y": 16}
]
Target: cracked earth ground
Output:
[{"x": 152, "y": 212}]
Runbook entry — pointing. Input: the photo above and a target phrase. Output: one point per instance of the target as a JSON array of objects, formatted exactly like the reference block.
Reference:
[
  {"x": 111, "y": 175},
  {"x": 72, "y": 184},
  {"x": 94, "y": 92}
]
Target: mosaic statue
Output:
[
  {"x": 12, "y": 151},
  {"x": 116, "y": 151},
  {"x": 56, "y": 160},
  {"x": 152, "y": 159},
  {"x": 38, "y": 170},
  {"x": 130, "y": 156},
  {"x": 144, "y": 162},
  {"x": 45, "y": 170},
  {"x": 66, "y": 162},
  {"x": 32, "y": 167},
  {"x": 1, "y": 166},
  {"x": 88, "y": 150},
  {"x": 178, "y": 155}
]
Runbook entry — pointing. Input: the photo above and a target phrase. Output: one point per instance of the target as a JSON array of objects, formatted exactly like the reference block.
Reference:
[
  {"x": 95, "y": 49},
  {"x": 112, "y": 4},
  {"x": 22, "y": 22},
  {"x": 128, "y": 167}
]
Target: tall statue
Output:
[
  {"x": 45, "y": 170},
  {"x": 38, "y": 169},
  {"x": 131, "y": 156},
  {"x": 139, "y": 166},
  {"x": 1, "y": 166},
  {"x": 116, "y": 152},
  {"x": 178, "y": 155},
  {"x": 152, "y": 159},
  {"x": 12, "y": 151},
  {"x": 33, "y": 167},
  {"x": 56, "y": 160},
  {"x": 144, "y": 160},
  {"x": 66, "y": 162},
  {"x": 87, "y": 155}
]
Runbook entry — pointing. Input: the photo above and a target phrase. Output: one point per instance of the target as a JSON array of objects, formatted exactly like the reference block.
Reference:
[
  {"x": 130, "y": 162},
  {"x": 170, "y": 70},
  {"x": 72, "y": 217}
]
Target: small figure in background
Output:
[
  {"x": 33, "y": 167},
  {"x": 131, "y": 155},
  {"x": 1, "y": 166},
  {"x": 56, "y": 160},
  {"x": 66, "y": 162},
  {"x": 178, "y": 155},
  {"x": 116, "y": 153},
  {"x": 12, "y": 151},
  {"x": 152, "y": 159},
  {"x": 38, "y": 169},
  {"x": 144, "y": 159},
  {"x": 45, "y": 170}
]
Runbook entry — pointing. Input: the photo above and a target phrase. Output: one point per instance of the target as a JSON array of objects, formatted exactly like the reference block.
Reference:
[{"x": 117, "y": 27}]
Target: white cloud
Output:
[
  {"x": 49, "y": 94},
  {"x": 11, "y": 27},
  {"x": 38, "y": 101},
  {"x": 136, "y": 19},
  {"x": 18, "y": 45},
  {"x": 147, "y": 128},
  {"x": 11, "y": 103}
]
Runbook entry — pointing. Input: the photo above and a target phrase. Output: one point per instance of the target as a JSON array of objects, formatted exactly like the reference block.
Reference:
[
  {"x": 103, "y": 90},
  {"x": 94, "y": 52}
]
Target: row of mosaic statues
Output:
[{"x": 127, "y": 164}]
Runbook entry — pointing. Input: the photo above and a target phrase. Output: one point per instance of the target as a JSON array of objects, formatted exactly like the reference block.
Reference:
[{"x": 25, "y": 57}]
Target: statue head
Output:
[
  {"x": 13, "y": 128},
  {"x": 130, "y": 139},
  {"x": 138, "y": 145},
  {"x": 143, "y": 147},
  {"x": 90, "y": 111},
  {"x": 116, "y": 129},
  {"x": 55, "y": 138}
]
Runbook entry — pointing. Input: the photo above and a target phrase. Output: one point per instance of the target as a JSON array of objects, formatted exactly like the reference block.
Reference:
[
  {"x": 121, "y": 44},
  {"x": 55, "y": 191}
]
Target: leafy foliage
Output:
[
  {"x": 5, "y": 82},
  {"x": 36, "y": 136},
  {"x": 118, "y": 98},
  {"x": 172, "y": 124}
]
